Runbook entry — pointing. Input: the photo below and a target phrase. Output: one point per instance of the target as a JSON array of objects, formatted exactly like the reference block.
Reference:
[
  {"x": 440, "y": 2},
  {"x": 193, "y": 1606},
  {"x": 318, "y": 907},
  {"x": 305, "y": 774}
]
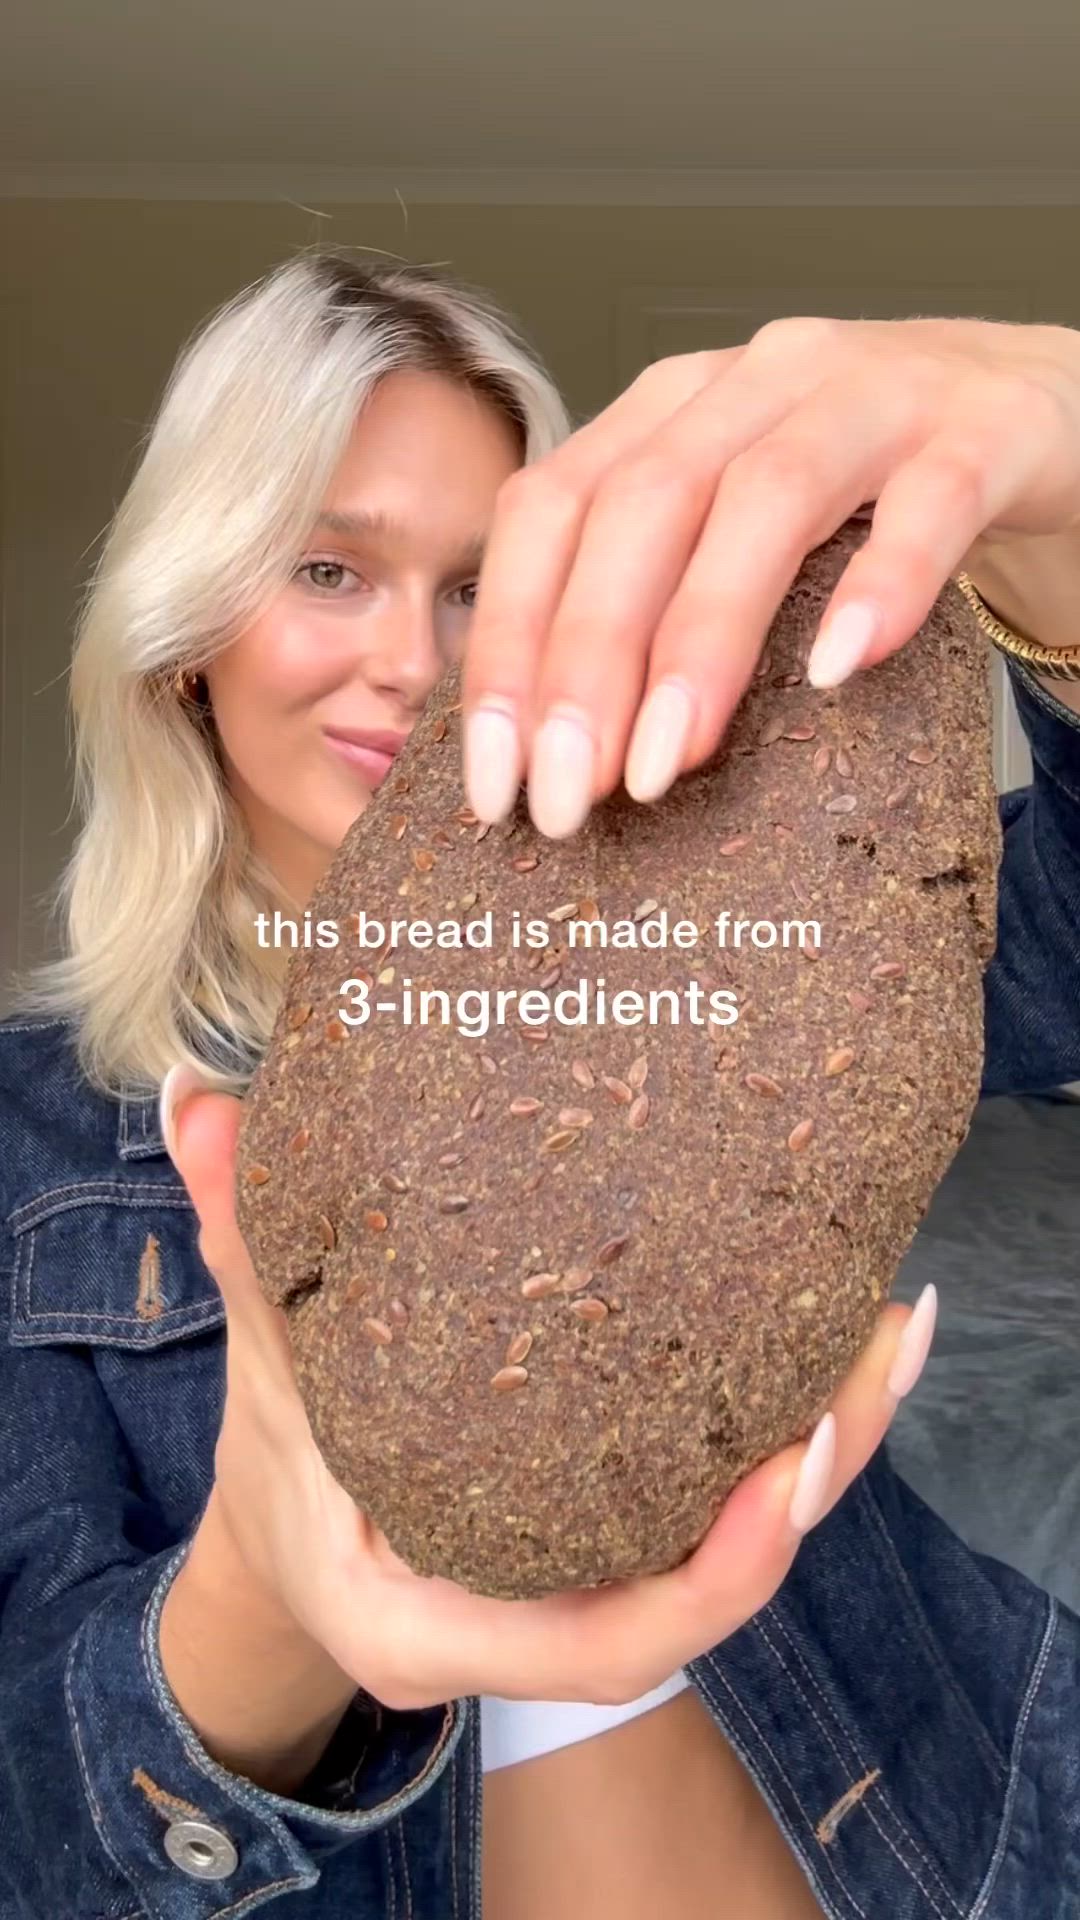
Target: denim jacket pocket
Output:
[{"x": 110, "y": 1262}]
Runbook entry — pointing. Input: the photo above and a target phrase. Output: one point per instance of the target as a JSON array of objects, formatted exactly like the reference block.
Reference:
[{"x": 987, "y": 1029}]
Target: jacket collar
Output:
[{"x": 138, "y": 1135}]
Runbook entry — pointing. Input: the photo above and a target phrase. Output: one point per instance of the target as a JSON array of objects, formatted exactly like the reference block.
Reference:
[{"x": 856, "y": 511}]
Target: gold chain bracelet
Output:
[{"x": 1055, "y": 665}]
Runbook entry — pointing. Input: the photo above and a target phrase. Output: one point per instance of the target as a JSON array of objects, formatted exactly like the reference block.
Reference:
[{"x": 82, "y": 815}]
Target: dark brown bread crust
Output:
[{"x": 742, "y": 1268}]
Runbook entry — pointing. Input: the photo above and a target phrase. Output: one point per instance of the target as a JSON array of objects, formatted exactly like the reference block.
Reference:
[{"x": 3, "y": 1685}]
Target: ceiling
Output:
[{"x": 142, "y": 90}]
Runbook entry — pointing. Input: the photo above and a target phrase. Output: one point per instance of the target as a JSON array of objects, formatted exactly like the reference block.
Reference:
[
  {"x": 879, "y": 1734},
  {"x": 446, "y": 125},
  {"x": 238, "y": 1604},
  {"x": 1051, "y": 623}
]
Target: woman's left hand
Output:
[{"x": 633, "y": 574}]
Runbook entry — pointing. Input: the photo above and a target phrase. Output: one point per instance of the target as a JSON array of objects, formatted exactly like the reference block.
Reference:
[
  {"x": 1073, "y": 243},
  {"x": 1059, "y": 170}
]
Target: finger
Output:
[
  {"x": 529, "y": 553},
  {"x": 634, "y": 547},
  {"x": 203, "y": 1129},
  {"x": 782, "y": 497},
  {"x": 865, "y": 1403},
  {"x": 599, "y": 1644},
  {"x": 863, "y": 1407},
  {"x": 613, "y": 1643},
  {"x": 928, "y": 516}
]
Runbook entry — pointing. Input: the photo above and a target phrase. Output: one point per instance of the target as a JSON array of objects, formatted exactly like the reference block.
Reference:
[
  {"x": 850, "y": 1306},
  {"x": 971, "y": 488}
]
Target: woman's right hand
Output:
[{"x": 414, "y": 1641}]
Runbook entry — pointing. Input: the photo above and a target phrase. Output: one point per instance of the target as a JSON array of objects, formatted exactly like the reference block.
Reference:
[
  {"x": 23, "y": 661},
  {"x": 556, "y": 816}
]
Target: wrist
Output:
[
  {"x": 216, "y": 1567},
  {"x": 1032, "y": 582},
  {"x": 261, "y": 1694}
]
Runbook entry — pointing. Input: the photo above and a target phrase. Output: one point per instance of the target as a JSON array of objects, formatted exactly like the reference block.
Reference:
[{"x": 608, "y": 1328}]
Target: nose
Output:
[{"x": 405, "y": 660}]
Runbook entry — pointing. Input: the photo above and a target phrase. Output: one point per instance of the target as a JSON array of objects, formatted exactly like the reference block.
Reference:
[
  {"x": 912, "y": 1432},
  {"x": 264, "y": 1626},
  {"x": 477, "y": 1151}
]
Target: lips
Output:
[
  {"x": 372, "y": 753},
  {"x": 379, "y": 739}
]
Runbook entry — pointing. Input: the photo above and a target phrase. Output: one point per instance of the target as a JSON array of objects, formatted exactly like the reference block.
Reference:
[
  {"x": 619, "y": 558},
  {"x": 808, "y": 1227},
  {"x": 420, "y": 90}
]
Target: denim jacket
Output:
[{"x": 908, "y": 1709}]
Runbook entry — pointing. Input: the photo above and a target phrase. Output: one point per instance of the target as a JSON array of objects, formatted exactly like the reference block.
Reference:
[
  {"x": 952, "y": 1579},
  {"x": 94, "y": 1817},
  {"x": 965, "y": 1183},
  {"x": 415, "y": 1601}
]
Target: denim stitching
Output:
[
  {"x": 256, "y": 1898},
  {"x": 1034, "y": 1684},
  {"x": 124, "y": 1138},
  {"x": 476, "y": 1782},
  {"x": 400, "y": 1826},
  {"x": 877, "y": 1519},
  {"x": 453, "y": 1838},
  {"x": 391, "y": 1878},
  {"x": 84, "y": 1773},
  {"x": 256, "y": 1799},
  {"x": 866, "y": 1802},
  {"x": 883, "y": 1801},
  {"x": 32, "y": 1026},
  {"x": 168, "y": 1805},
  {"x": 195, "y": 1318},
  {"x": 152, "y": 1332},
  {"x": 823, "y": 1858},
  {"x": 121, "y": 1193},
  {"x": 155, "y": 1674},
  {"x": 223, "y": 1913},
  {"x": 1057, "y": 708},
  {"x": 150, "y": 1136}
]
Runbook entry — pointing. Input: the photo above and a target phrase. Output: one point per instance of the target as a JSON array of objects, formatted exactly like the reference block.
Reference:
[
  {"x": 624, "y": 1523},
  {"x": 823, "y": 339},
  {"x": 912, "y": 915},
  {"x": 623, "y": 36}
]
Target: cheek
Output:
[
  {"x": 291, "y": 657},
  {"x": 275, "y": 671},
  {"x": 263, "y": 688}
]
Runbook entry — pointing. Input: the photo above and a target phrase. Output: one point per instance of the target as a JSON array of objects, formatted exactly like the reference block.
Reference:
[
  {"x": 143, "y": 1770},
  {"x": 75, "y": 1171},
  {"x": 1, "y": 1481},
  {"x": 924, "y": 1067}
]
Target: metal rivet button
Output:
[{"x": 200, "y": 1850}]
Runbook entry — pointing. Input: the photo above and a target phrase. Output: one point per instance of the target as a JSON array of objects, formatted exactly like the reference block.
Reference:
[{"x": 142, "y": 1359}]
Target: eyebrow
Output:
[{"x": 378, "y": 525}]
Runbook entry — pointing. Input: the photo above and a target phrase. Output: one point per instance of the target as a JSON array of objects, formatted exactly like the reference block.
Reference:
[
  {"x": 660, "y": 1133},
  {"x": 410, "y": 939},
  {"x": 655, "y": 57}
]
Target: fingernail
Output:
[
  {"x": 659, "y": 740},
  {"x": 812, "y": 1486},
  {"x": 179, "y": 1083},
  {"x": 561, "y": 775},
  {"x": 915, "y": 1343},
  {"x": 842, "y": 644},
  {"x": 492, "y": 762}
]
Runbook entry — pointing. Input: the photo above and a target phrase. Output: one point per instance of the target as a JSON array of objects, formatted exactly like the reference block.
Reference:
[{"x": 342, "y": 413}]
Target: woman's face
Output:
[{"x": 313, "y": 700}]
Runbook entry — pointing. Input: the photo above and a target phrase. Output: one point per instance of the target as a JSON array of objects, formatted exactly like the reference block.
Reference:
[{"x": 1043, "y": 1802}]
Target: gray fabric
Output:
[{"x": 991, "y": 1435}]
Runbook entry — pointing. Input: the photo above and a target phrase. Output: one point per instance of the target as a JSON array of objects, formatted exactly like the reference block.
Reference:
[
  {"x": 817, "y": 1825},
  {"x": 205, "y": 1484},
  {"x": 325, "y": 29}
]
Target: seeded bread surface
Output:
[{"x": 551, "y": 1296}]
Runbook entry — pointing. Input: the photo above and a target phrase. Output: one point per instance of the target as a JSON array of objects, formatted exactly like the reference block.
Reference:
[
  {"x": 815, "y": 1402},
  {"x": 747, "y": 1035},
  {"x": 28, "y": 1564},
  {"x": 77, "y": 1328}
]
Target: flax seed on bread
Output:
[{"x": 553, "y": 1291}]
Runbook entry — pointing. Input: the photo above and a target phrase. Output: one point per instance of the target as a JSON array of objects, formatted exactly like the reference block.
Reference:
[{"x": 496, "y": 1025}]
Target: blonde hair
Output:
[{"x": 158, "y": 899}]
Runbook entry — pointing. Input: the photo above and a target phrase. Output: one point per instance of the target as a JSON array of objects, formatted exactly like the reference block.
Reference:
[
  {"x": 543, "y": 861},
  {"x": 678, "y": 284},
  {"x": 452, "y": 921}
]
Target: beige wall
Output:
[{"x": 98, "y": 296}]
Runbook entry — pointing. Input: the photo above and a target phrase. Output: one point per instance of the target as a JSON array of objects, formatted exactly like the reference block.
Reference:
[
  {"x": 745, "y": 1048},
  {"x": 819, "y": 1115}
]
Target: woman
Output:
[{"x": 219, "y": 1682}]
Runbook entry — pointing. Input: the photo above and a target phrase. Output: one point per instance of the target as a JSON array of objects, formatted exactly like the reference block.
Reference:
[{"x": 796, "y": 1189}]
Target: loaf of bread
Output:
[{"x": 553, "y": 1289}]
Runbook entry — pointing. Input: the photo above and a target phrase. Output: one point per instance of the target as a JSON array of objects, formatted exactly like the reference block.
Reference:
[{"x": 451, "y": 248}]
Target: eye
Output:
[
  {"x": 467, "y": 593},
  {"x": 326, "y": 576}
]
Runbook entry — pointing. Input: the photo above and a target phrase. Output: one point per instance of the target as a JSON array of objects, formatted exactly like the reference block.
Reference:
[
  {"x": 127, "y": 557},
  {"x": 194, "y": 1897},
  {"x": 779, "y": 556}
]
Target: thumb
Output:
[{"x": 200, "y": 1129}]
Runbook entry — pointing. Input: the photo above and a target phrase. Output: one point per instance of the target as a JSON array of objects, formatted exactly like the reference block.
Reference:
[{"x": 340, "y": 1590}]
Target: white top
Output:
[{"x": 519, "y": 1729}]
